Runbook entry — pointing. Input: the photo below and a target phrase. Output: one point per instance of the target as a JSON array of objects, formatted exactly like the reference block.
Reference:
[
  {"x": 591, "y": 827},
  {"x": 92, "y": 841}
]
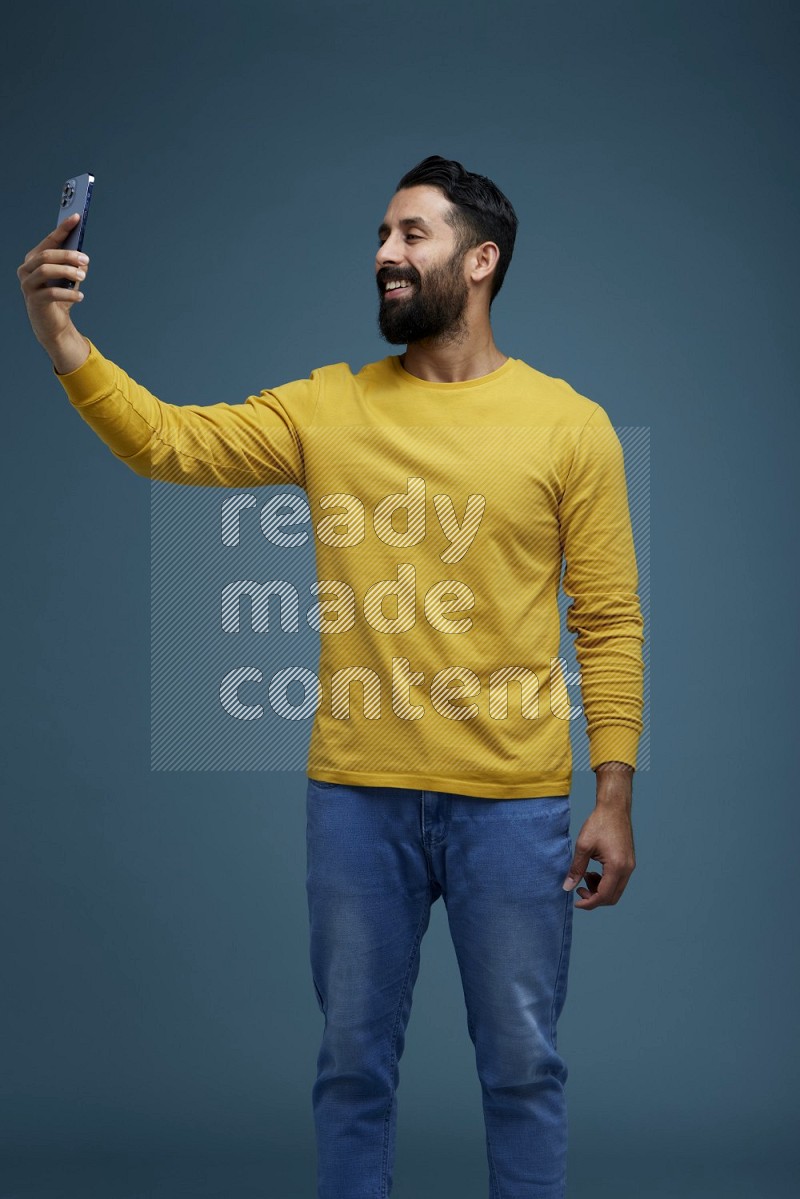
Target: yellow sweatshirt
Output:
[{"x": 442, "y": 513}]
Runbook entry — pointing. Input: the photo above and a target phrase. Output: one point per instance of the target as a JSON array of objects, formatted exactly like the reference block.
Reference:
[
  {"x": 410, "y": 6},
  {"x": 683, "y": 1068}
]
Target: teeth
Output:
[{"x": 395, "y": 285}]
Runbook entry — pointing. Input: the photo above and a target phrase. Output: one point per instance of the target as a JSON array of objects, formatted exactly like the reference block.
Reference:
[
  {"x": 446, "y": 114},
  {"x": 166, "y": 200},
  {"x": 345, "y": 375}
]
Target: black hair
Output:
[{"x": 480, "y": 211}]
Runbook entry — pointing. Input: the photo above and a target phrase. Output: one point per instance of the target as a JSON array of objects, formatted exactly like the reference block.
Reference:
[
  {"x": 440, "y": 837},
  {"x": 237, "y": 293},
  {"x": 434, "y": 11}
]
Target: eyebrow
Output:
[{"x": 407, "y": 221}]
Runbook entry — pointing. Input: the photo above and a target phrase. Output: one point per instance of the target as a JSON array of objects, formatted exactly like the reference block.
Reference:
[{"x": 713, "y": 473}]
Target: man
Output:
[{"x": 439, "y": 762}]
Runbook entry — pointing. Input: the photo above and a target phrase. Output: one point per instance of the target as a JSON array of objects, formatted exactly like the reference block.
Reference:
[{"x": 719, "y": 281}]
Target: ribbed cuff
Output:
[
  {"x": 613, "y": 743},
  {"x": 90, "y": 381}
]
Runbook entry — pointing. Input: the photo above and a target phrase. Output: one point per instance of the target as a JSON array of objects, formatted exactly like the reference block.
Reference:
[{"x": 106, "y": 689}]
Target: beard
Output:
[{"x": 432, "y": 311}]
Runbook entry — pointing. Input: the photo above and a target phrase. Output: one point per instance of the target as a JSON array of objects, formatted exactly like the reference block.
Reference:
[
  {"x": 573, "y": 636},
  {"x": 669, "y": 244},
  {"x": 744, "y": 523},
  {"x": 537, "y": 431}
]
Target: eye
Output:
[{"x": 409, "y": 237}]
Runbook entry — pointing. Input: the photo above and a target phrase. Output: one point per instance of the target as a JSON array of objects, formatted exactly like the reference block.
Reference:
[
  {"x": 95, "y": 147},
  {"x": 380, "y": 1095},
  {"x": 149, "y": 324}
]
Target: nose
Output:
[{"x": 387, "y": 253}]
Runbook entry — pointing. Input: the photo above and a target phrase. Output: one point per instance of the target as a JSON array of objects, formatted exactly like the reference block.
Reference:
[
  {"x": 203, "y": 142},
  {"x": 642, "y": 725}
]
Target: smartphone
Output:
[{"x": 75, "y": 197}]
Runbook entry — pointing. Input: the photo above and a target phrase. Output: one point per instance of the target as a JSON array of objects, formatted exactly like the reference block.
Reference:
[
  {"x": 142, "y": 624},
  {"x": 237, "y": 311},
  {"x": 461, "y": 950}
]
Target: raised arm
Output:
[{"x": 252, "y": 443}]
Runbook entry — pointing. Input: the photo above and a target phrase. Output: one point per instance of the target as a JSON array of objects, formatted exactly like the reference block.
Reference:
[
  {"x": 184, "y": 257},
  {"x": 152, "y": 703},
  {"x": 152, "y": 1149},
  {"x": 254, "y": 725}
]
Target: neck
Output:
[{"x": 456, "y": 361}]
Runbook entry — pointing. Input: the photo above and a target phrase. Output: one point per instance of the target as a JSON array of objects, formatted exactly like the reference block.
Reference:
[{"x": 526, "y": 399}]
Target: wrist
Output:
[
  {"x": 614, "y": 784},
  {"x": 614, "y": 770},
  {"x": 620, "y": 798},
  {"x": 68, "y": 352}
]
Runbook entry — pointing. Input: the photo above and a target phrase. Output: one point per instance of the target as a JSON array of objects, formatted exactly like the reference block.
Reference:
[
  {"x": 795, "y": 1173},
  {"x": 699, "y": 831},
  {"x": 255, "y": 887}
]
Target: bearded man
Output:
[{"x": 466, "y": 797}]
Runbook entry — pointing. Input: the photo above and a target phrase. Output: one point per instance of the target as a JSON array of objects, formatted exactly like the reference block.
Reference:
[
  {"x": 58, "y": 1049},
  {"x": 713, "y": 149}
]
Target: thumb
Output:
[{"x": 576, "y": 871}]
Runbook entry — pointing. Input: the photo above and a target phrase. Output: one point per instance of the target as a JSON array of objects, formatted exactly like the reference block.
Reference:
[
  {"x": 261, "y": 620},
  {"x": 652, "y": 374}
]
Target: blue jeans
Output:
[{"x": 378, "y": 857}]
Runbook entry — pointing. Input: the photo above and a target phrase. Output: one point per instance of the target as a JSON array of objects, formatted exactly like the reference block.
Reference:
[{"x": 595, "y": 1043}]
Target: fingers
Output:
[
  {"x": 55, "y": 264},
  {"x": 598, "y": 894},
  {"x": 47, "y": 249},
  {"x": 607, "y": 838},
  {"x": 66, "y": 293},
  {"x": 603, "y": 889}
]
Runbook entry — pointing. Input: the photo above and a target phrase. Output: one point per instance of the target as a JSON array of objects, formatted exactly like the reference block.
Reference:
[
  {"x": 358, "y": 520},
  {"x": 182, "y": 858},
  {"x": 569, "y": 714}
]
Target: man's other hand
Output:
[{"x": 606, "y": 836}]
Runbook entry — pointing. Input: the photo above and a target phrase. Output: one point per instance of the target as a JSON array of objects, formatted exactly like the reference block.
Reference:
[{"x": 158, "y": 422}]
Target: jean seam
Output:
[
  {"x": 494, "y": 1182},
  {"x": 568, "y": 900},
  {"x": 392, "y": 1055}
]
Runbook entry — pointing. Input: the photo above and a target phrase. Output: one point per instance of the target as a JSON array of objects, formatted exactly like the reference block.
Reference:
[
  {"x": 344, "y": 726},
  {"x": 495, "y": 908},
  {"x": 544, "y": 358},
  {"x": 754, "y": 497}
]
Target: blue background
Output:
[{"x": 159, "y": 1022}]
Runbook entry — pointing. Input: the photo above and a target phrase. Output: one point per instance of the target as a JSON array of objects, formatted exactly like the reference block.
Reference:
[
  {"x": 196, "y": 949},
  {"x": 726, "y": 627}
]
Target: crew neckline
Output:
[{"x": 480, "y": 381}]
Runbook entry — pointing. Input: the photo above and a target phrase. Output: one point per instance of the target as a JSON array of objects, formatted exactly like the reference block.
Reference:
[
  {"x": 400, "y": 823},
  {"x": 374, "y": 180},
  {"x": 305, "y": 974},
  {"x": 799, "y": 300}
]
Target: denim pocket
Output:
[{"x": 555, "y": 809}]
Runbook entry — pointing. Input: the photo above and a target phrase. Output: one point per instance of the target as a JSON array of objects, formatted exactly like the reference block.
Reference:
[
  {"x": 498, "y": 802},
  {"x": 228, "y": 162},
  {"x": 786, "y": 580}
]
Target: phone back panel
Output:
[{"x": 75, "y": 197}]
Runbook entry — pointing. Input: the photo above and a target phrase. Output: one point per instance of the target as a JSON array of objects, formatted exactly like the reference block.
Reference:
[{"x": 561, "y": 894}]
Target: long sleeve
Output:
[
  {"x": 601, "y": 577},
  {"x": 224, "y": 445}
]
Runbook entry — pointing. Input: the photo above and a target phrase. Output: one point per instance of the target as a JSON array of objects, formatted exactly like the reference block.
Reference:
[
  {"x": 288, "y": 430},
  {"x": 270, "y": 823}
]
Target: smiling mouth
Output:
[{"x": 396, "y": 291}]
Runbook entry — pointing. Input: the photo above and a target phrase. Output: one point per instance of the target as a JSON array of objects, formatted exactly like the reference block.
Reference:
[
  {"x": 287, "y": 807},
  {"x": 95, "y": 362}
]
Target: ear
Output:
[{"x": 482, "y": 260}]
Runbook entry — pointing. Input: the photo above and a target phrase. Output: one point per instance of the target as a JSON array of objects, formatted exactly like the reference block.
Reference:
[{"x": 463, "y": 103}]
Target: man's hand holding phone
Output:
[{"x": 50, "y": 307}]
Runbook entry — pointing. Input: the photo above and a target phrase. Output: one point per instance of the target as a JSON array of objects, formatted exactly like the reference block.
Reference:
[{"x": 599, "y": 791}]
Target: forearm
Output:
[
  {"x": 608, "y": 647},
  {"x": 70, "y": 353}
]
